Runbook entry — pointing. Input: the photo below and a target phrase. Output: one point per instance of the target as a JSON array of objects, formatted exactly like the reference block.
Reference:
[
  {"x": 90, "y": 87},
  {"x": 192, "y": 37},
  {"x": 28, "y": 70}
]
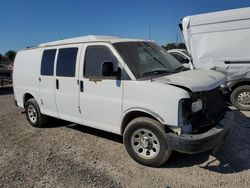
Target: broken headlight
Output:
[{"x": 197, "y": 105}]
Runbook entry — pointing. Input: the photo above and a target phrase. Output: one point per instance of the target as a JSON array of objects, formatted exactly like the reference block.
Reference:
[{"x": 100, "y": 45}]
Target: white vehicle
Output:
[
  {"x": 128, "y": 87},
  {"x": 182, "y": 56},
  {"x": 220, "y": 41}
]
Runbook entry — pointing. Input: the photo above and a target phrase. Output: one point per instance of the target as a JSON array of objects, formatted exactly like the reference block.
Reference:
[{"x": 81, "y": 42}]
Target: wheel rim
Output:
[
  {"x": 32, "y": 114},
  {"x": 145, "y": 144},
  {"x": 244, "y": 98}
]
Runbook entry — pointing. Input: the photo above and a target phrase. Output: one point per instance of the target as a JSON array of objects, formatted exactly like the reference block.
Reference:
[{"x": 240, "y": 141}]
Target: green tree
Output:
[
  {"x": 170, "y": 46},
  {"x": 11, "y": 55},
  {"x": 2, "y": 58},
  {"x": 181, "y": 46}
]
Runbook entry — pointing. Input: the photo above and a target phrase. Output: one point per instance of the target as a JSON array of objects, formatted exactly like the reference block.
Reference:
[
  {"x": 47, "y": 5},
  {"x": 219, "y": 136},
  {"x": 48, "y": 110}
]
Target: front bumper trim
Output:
[{"x": 197, "y": 143}]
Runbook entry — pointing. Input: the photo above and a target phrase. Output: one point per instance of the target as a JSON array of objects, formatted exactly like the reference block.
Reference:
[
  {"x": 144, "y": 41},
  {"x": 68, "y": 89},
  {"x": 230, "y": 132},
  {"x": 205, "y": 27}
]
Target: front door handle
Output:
[
  {"x": 57, "y": 84},
  {"x": 81, "y": 86}
]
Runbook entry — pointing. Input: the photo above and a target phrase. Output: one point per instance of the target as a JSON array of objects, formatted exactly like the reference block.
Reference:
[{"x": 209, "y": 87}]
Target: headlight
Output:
[
  {"x": 184, "y": 112},
  {"x": 197, "y": 105},
  {"x": 184, "y": 116}
]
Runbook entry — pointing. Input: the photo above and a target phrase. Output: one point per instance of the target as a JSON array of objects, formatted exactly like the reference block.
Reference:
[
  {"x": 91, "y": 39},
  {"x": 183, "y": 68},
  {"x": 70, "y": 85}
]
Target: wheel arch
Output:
[
  {"x": 27, "y": 96},
  {"x": 133, "y": 113},
  {"x": 237, "y": 83},
  {"x": 236, "y": 100}
]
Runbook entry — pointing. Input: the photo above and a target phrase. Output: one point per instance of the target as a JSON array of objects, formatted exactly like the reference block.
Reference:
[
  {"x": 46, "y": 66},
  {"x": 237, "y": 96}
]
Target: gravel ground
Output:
[{"x": 68, "y": 155}]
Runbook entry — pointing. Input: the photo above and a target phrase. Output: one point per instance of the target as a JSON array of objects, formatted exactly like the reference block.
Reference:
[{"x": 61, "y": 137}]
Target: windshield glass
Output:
[{"x": 146, "y": 59}]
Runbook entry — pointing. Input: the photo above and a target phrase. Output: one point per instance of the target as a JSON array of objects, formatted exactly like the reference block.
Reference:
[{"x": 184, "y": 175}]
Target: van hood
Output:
[{"x": 195, "y": 80}]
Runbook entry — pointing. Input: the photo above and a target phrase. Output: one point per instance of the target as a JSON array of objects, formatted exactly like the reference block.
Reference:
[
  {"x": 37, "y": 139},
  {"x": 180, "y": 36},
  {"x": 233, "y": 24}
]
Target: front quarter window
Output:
[{"x": 146, "y": 59}]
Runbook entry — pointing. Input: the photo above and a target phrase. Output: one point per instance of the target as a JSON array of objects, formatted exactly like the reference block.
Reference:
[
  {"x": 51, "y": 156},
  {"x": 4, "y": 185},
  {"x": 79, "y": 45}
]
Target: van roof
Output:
[
  {"x": 220, "y": 16},
  {"x": 89, "y": 38}
]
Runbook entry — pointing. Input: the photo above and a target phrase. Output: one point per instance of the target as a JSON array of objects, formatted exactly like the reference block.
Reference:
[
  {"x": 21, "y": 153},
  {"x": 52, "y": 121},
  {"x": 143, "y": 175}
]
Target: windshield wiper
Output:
[{"x": 156, "y": 72}]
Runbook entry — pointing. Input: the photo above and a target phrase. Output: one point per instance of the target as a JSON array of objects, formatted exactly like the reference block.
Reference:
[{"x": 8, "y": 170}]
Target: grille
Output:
[
  {"x": 213, "y": 111},
  {"x": 214, "y": 104}
]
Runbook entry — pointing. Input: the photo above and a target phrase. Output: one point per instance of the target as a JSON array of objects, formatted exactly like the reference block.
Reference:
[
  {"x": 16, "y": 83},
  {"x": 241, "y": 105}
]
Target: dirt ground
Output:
[{"x": 68, "y": 155}]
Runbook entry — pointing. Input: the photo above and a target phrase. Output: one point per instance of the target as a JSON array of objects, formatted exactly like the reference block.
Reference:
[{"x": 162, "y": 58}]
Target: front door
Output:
[
  {"x": 100, "y": 97},
  {"x": 67, "y": 89}
]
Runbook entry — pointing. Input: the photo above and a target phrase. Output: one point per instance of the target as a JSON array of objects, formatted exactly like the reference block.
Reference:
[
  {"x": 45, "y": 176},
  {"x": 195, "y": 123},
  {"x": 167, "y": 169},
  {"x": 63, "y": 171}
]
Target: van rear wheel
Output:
[
  {"x": 240, "y": 97},
  {"x": 145, "y": 141},
  {"x": 33, "y": 114}
]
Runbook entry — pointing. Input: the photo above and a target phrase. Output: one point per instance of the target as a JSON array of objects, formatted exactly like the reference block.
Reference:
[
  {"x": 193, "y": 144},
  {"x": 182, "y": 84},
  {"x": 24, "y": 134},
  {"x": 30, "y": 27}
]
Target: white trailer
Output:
[{"x": 221, "y": 41}]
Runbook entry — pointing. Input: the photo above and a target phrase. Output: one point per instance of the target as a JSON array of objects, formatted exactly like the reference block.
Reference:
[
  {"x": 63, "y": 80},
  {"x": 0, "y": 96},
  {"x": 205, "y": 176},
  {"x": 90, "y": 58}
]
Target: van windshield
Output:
[{"x": 146, "y": 59}]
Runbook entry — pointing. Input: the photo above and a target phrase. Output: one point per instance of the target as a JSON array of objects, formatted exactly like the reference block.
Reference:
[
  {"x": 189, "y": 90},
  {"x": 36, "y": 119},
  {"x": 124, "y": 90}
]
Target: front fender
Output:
[{"x": 145, "y": 110}]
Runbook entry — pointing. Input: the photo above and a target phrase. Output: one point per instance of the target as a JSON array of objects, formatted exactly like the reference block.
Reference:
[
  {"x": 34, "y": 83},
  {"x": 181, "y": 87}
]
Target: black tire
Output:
[
  {"x": 235, "y": 97},
  {"x": 157, "y": 129},
  {"x": 40, "y": 119}
]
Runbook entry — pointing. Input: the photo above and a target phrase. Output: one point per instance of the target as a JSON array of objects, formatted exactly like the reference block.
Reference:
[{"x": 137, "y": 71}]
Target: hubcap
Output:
[
  {"x": 145, "y": 143},
  {"x": 32, "y": 113},
  {"x": 244, "y": 98}
]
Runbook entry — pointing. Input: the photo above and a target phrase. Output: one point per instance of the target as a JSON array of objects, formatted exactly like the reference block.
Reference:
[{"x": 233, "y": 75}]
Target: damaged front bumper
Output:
[{"x": 197, "y": 143}]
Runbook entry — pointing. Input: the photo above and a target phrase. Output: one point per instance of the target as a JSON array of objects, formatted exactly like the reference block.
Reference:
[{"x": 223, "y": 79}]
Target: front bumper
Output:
[{"x": 197, "y": 143}]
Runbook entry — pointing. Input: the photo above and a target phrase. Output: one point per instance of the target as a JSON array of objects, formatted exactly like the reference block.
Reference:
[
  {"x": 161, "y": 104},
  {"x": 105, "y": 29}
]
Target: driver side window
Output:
[{"x": 95, "y": 56}]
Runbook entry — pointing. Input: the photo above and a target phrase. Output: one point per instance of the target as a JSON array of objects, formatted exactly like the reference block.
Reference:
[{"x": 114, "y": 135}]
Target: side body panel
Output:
[
  {"x": 26, "y": 74},
  {"x": 158, "y": 99}
]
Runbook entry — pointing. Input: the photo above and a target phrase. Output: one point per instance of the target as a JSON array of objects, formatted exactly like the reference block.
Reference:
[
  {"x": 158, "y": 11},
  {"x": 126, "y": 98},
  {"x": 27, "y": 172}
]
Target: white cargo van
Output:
[
  {"x": 128, "y": 87},
  {"x": 220, "y": 41}
]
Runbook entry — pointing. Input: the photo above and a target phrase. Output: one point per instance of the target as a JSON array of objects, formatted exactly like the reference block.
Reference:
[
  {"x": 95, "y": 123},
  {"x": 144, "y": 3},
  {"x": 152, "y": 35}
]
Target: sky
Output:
[{"x": 31, "y": 22}]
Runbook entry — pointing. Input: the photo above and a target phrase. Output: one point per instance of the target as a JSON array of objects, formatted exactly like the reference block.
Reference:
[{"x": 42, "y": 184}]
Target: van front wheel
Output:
[
  {"x": 33, "y": 114},
  {"x": 145, "y": 141},
  {"x": 240, "y": 97}
]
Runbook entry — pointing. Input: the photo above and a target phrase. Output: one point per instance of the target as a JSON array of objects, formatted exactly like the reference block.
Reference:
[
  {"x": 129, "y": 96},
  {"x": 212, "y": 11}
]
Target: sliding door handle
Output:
[
  {"x": 57, "y": 84},
  {"x": 81, "y": 86}
]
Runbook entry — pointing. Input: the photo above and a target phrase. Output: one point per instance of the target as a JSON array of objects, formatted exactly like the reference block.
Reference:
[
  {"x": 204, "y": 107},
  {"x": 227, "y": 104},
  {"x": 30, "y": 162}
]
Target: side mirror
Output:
[{"x": 108, "y": 70}]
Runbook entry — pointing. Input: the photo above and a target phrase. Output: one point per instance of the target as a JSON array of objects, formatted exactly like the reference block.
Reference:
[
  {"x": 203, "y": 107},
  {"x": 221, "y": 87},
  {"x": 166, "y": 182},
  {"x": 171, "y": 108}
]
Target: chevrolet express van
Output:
[
  {"x": 220, "y": 41},
  {"x": 129, "y": 87}
]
